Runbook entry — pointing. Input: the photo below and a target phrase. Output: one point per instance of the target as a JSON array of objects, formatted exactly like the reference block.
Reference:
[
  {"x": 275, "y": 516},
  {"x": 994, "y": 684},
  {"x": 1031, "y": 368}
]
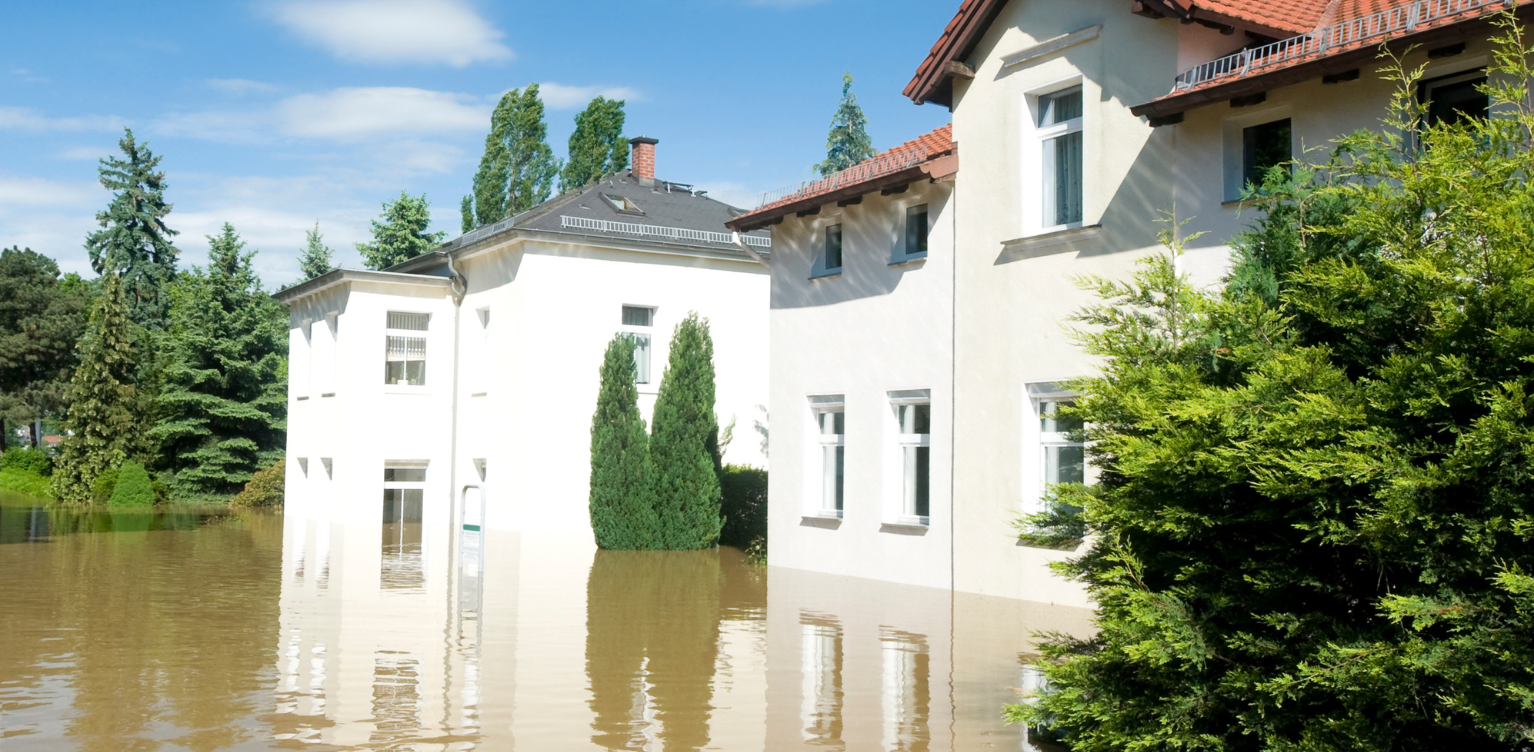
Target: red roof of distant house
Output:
[
  {"x": 1355, "y": 24},
  {"x": 923, "y": 156}
]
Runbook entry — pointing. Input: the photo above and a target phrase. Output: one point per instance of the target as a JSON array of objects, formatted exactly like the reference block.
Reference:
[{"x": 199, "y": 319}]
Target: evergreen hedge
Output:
[
  {"x": 30, "y": 459},
  {"x": 621, "y": 498},
  {"x": 743, "y": 491},
  {"x": 103, "y": 486},
  {"x": 134, "y": 488},
  {"x": 684, "y": 440}
]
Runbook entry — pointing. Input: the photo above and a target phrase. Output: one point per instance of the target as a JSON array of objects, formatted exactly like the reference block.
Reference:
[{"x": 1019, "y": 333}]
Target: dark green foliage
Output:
[
  {"x": 622, "y": 506},
  {"x": 743, "y": 495},
  {"x": 265, "y": 488},
  {"x": 518, "y": 168},
  {"x": 848, "y": 143},
  {"x": 316, "y": 258},
  {"x": 597, "y": 148},
  {"x": 684, "y": 437},
  {"x": 1060, "y": 526},
  {"x": 134, "y": 243},
  {"x": 30, "y": 459},
  {"x": 1314, "y": 523},
  {"x": 401, "y": 235},
  {"x": 102, "y": 426},
  {"x": 103, "y": 486},
  {"x": 41, "y": 320},
  {"x": 223, "y": 404},
  {"x": 25, "y": 482},
  {"x": 133, "y": 489}
]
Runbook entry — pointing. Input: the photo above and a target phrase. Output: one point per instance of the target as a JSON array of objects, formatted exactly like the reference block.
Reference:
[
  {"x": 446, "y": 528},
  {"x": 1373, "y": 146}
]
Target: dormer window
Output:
[{"x": 622, "y": 204}]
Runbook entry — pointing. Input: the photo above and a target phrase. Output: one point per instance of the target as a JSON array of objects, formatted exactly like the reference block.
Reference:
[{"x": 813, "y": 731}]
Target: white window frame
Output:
[
  {"x": 300, "y": 350},
  {"x": 1036, "y": 441},
  {"x": 413, "y": 334},
  {"x": 902, "y": 254},
  {"x": 820, "y": 499},
  {"x": 420, "y": 485},
  {"x": 818, "y": 267},
  {"x": 327, "y": 342},
  {"x": 481, "y": 371},
  {"x": 646, "y": 382},
  {"x": 1034, "y": 139},
  {"x": 1233, "y": 135},
  {"x": 900, "y": 499}
]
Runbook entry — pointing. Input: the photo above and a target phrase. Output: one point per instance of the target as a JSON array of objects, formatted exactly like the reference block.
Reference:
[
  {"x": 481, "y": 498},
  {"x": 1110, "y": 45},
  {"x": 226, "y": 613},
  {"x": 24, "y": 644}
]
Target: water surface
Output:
[{"x": 193, "y": 630}]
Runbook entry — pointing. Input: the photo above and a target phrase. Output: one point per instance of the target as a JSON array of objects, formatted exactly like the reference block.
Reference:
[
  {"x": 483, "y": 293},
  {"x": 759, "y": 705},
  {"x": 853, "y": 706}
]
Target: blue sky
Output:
[{"x": 273, "y": 114}]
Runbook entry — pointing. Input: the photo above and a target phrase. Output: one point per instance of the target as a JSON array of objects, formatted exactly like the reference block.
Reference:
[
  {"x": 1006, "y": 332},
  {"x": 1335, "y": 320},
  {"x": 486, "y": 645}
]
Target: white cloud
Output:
[
  {"x": 348, "y": 114},
  {"x": 561, "y": 97},
  {"x": 240, "y": 85},
  {"x": 28, "y": 119},
  {"x": 395, "y": 31},
  {"x": 43, "y": 193},
  {"x": 91, "y": 153}
]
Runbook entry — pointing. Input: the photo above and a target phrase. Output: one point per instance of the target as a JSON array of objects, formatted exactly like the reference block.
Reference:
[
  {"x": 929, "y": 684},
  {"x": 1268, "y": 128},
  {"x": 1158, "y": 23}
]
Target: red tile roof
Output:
[
  {"x": 931, "y": 83},
  {"x": 909, "y": 156}
]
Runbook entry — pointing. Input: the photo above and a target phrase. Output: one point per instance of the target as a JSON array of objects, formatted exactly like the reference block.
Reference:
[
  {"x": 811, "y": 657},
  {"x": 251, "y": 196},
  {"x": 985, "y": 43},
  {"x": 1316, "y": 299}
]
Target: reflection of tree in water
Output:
[
  {"x": 158, "y": 635},
  {"x": 652, "y": 637}
]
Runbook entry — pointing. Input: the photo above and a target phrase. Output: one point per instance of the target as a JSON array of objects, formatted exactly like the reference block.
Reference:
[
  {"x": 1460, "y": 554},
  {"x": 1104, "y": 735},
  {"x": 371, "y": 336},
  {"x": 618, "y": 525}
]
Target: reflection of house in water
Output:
[{"x": 555, "y": 645}]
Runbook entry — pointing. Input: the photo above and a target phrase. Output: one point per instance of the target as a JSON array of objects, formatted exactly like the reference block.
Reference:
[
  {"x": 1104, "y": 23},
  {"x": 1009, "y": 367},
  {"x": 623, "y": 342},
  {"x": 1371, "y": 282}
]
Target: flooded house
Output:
[
  {"x": 457, "y": 388},
  {"x": 921, "y": 300}
]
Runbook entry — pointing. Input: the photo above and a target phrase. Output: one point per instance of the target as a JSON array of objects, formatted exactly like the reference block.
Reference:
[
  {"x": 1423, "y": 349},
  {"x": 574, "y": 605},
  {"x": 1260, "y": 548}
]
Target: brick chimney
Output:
[{"x": 642, "y": 159}]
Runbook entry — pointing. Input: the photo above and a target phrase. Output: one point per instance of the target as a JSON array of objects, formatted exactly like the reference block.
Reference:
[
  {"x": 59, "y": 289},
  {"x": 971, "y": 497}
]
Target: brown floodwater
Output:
[{"x": 202, "y": 630}]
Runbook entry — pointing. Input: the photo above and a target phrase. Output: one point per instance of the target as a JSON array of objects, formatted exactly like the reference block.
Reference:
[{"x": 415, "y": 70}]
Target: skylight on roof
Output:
[{"x": 622, "y": 204}]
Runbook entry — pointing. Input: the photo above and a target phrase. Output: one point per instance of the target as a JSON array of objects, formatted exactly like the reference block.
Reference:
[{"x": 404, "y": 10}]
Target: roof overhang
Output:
[
  {"x": 941, "y": 168},
  {"x": 1172, "y": 105},
  {"x": 934, "y": 77},
  {"x": 343, "y": 276}
]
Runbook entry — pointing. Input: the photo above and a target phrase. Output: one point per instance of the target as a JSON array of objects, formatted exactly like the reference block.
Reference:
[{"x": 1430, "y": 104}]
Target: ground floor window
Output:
[
  {"x": 831, "y": 443},
  {"x": 915, "y": 440},
  {"x": 403, "y": 499}
]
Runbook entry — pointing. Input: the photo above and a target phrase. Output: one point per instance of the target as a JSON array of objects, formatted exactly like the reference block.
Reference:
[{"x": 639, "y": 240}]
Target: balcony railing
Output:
[
  {"x": 657, "y": 231},
  {"x": 1404, "y": 18}
]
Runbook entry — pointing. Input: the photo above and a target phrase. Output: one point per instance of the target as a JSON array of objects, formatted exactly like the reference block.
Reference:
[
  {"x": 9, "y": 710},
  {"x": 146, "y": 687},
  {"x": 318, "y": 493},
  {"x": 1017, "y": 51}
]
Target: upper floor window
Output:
[
  {"x": 916, "y": 231},
  {"x": 637, "y": 324},
  {"x": 405, "y": 351},
  {"x": 1264, "y": 147},
  {"x": 1450, "y": 99},
  {"x": 1060, "y": 129},
  {"x": 831, "y": 251}
]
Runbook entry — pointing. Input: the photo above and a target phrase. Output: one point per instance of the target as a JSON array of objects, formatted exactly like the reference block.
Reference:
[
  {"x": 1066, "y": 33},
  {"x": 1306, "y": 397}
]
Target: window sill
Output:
[
  {"x": 327, "y": 394},
  {"x": 907, "y": 526},
  {"x": 909, "y": 260},
  {"x": 301, "y": 399},
  {"x": 829, "y": 521},
  {"x": 1052, "y": 238},
  {"x": 478, "y": 394},
  {"x": 413, "y": 390},
  {"x": 827, "y": 275}
]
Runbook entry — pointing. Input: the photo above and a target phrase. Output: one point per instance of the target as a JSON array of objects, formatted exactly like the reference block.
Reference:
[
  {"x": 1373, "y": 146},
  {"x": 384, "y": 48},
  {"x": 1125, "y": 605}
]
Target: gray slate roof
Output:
[{"x": 664, "y": 204}]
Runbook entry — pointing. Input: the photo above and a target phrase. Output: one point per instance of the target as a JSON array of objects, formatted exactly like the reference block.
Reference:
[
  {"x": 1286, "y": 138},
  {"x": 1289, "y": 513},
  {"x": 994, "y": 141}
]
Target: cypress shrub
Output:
[
  {"x": 103, "y": 486},
  {"x": 134, "y": 488},
  {"x": 684, "y": 438},
  {"x": 265, "y": 488},
  {"x": 743, "y": 491},
  {"x": 622, "y": 508},
  {"x": 30, "y": 459}
]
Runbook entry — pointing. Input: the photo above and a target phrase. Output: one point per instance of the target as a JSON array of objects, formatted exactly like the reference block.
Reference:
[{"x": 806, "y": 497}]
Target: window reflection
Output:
[
  {"x": 822, "y": 672},
  {"x": 396, "y": 697},
  {"x": 906, "y": 691}
]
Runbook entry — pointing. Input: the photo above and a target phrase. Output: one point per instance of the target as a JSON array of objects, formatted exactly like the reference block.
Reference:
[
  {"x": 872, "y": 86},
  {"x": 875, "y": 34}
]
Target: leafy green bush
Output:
[
  {"x": 264, "y": 488},
  {"x": 134, "y": 488},
  {"x": 1060, "y": 526},
  {"x": 103, "y": 486},
  {"x": 25, "y": 482},
  {"x": 744, "y": 489},
  {"x": 32, "y": 459}
]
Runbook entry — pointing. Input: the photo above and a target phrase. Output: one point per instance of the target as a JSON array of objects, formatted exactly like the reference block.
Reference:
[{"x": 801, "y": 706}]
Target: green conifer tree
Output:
[
  {"x": 848, "y": 143},
  {"x": 134, "y": 243},
  {"x": 684, "y": 440},
  {"x": 102, "y": 428},
  {"x": 42, "y": 317},
  {"x": 1312, "y": 529},
  {"x": 622, "y": 508},
  {"x": 518, "y": 168},
  {"x": 597, "y": 148},
  {"x": 401, "y": 235},
  {"x": 316, "y": 258},
  {"x": 133, "y": 487},
  {"x": 223, "y": 404}
]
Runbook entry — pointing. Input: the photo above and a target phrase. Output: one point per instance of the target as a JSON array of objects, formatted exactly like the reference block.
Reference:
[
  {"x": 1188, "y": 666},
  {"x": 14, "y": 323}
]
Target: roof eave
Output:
[
  {"x": 759, "y": 220},
  {"x": 935, "y": 83},
  {"x": 342, "y": 276}
]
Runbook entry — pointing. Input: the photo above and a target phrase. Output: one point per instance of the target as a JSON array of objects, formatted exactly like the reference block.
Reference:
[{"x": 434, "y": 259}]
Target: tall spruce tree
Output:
[
  {"x": 317, "y": 258},
  {"x": 597, "y": 148},
  {"x": 848, "y": 143},
  {"x": 223, "y": 403},
  {"x": 1313, "y": 526},
  {"x": 102, "y": 428},
  {"x": 518, "y": 168},
  {"x": 401, "y": 234},
  {"x": 134, "y": 243},
  {"x": 684, "y": 440},
  {"x": 41, "y": 320},
  {"x": 622, "y": 507}
]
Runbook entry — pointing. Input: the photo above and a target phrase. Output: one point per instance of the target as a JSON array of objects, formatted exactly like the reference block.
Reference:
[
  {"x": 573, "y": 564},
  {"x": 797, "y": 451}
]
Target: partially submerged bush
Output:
[
  {"x": 265, "y": 487},
  {"x": 103, "y": 486},
  {"x": 744, "y": 505},
  {"x": 134, "y": 488},
  {"x": 25, "y": 482}
]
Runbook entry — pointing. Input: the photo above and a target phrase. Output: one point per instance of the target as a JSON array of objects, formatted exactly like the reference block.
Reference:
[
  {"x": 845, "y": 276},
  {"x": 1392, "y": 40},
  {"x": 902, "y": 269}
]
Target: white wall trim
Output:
[{"x": 1051, "y": 46}]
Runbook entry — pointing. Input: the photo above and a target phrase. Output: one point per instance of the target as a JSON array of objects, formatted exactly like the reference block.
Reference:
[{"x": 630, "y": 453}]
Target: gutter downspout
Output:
[
  {"x": 459, "y": 288},
  {"x": 741, "y": 244}
]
